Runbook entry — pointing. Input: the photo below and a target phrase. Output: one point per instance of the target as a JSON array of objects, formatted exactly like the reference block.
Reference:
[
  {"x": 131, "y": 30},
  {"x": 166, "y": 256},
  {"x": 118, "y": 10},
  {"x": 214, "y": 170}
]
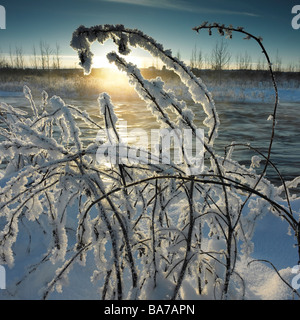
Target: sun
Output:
[
  {"x": 137, "y": 56},
  {"x": 102, "y": 62},
  {"x": 109, "y": 77}
]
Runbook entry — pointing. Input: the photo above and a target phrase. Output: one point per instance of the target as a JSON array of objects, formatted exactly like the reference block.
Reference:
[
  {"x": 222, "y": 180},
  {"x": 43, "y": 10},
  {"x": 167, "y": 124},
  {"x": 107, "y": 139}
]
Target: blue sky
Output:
[{"x": 170, "y": 22}]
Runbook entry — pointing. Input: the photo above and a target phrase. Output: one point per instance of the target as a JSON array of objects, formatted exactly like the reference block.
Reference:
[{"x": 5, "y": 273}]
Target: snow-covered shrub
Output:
[{"x": 152, "y": 230}]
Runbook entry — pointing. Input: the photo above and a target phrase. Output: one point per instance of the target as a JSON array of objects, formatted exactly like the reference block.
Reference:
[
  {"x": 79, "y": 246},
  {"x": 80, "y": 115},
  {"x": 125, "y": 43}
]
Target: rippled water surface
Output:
[{"x": 240, "y": 122}]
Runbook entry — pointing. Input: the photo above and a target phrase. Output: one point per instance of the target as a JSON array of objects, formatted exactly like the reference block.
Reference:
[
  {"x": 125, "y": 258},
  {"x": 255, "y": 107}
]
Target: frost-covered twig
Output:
[
  {"x": 229, "y": 30},
  {"x": 277, "y": 272}
]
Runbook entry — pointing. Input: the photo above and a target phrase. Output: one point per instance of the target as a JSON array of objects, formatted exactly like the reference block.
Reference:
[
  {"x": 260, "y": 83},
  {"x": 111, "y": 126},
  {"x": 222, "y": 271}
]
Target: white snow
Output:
[{"x": 271, "y": 242}]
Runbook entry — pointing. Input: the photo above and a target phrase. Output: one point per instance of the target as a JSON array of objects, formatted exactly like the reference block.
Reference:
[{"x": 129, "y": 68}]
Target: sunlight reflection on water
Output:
[{"x": 240, "y": 122}]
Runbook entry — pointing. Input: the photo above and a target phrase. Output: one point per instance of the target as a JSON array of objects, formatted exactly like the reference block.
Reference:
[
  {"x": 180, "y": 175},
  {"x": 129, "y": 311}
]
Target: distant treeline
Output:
[
  {"x": 45, "y": 57},
  {"x": 221, "y": 58},
  {"x": 42, "y": 57},
  {"x": 13, "y": 74}
]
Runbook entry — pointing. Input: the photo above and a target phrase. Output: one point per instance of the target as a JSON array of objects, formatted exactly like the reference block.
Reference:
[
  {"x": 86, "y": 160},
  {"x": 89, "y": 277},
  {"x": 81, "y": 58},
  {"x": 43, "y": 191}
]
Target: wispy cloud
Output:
[{"x": 182, "y": 6}]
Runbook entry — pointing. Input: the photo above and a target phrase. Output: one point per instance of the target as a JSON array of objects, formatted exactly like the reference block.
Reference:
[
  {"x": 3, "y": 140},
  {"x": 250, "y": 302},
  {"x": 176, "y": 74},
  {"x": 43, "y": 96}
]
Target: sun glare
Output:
[
  {"x": 137, "y": 56},
  {"x": 102, "y": 62},
  {"x": 112, "y": 80}
]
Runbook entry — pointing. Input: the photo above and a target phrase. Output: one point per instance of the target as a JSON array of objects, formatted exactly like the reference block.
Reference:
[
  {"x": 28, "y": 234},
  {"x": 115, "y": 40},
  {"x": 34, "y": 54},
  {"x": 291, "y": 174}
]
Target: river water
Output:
[{"x": 240, "y": 122}]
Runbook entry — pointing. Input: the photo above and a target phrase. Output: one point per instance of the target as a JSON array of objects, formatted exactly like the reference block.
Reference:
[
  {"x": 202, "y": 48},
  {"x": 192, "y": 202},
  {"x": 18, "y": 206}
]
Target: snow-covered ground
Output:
[{"x": 31, "y": 273}]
